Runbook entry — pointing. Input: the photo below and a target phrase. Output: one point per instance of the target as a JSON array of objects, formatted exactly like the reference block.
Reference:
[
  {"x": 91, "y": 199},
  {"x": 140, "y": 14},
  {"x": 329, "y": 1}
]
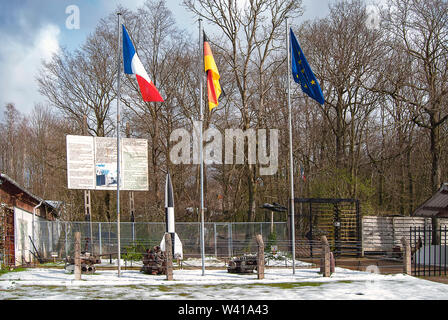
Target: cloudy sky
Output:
[{"x": 31, "y": 31}]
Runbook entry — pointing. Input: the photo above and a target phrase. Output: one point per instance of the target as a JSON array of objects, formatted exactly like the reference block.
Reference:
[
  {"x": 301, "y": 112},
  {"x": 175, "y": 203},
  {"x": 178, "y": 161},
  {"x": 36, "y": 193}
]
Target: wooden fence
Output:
[{"x": 382, "y": 234}]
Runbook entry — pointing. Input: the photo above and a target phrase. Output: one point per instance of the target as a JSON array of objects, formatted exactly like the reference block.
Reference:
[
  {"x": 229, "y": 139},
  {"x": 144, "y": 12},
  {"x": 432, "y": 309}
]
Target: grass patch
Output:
[
  {"x": 292, "y": 285},
  {"x": 56, "y": 288},
  {"x": 4, "y": 271},
  {"x": 171, "y": 287},
  {"x": 206, "y": 286},
  {"x": 289, "y": 285},
  {"x": 184, "y": 294}
]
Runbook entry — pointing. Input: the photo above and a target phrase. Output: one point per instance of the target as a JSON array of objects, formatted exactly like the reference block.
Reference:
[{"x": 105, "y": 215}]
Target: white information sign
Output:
[
  {"x": 80, "y": 162},
  {"x": 92, "y": 163},
  {"x": 134, "y": 159}
]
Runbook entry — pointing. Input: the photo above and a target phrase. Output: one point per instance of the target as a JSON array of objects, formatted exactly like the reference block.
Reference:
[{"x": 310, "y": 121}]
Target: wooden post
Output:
[
  {"x": 169, "y": 256},
  {"x": 260, "y": 257},
  {"x": 77, "y": 255},
  {"x": 132, "y": 214},
  {"x": 406, "y": 256},
  {"x": 362, "y": 237},
  {"x": 88, "y": 218},
  {"x": 332, "y": 263},
  {"x": 325, "y": 260}
]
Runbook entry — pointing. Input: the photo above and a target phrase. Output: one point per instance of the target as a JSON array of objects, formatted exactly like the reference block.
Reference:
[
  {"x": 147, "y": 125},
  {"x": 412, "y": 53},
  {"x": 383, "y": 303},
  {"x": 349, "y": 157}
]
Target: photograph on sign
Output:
[
  {"x": 106, "y": 163},
  {"x": 106, "y": 175}
]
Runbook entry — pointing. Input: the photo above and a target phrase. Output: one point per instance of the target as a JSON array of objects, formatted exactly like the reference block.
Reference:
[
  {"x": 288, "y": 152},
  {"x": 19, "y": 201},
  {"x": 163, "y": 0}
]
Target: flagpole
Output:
[
  {"x": 201, "y": 106},
  {"x": 291, "y": 161},
  {"x": 118, "y": 146}
]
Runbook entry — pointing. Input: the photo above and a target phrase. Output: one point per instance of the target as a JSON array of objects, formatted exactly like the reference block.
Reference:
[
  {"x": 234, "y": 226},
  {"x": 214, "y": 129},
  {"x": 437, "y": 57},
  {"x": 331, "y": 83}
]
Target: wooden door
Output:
[{"x": 9, "y": 239}]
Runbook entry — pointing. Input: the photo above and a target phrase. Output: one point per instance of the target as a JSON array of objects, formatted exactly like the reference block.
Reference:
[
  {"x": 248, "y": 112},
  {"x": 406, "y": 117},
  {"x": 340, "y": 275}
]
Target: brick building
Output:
[{"x": 20, "y": 214}]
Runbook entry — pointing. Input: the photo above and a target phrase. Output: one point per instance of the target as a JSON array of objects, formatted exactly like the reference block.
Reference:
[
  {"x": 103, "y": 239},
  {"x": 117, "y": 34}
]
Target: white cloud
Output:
[
  {"x": 20, "y": 62},
  {"x": 111, "y": 5}
]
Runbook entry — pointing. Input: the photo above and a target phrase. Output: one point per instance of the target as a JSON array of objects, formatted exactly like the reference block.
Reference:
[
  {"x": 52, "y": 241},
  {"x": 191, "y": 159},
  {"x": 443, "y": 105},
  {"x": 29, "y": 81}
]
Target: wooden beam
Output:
[{"x": 436, "y": 209}]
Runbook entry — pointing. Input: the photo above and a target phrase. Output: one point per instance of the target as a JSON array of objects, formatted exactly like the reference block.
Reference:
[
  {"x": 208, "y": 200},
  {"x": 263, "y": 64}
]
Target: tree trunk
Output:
[
  {"x": 410, "y": 180},
  {"x": 435, "y": 172},
  {"x": 339, "y": 140},
  {"x": 251, "y": 191},
  {"x": 435, "y": 156}
]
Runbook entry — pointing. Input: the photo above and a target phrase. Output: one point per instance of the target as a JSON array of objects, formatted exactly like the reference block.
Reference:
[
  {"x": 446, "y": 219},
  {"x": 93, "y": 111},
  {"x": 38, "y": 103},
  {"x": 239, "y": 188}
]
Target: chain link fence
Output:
[{"x": 56, "y": 238}]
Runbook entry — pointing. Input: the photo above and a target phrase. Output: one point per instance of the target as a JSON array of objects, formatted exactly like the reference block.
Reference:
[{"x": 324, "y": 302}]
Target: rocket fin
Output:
[{"x": 178, "y": 248}]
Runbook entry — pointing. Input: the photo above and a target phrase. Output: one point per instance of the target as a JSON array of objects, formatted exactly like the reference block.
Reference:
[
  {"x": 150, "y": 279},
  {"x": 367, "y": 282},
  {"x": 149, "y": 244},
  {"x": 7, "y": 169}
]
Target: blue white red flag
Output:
[{"x": 133, "y": 65}]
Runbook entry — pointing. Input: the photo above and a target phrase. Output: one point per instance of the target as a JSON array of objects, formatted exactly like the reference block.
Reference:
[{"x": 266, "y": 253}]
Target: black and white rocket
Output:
[{"x": 169, "y": 220}]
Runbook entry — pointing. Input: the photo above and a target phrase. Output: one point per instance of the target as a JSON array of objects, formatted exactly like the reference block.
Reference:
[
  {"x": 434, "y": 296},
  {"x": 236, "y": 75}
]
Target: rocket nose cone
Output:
[{"x": 169, "y": 196}]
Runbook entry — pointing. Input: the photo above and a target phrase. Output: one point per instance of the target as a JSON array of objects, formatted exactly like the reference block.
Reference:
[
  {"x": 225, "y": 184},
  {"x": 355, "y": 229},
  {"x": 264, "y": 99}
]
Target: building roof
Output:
[
  {"x": 436, "y": 206},
  {"x": 49, "y": 204}
]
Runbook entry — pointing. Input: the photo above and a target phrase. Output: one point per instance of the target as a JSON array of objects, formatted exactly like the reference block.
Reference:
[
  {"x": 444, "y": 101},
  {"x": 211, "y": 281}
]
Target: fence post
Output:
[
  {"x": 168, "y": 256},
  {"x": 133, "y": 233},
  {"x": 361, "y": 236},
  {"x": 406, "y": 256},
  {"x": 50, "y": 247},
  {"x": 332, "y": 263},
  {"x": 325, "y": 260},
  {"x": 260, "y": 256},
  {"x": 66, "y": 242},
  {"x": 100, "y": 240},
  {"x": 229, "y": 232},
  {"x": 393, "y": 233},
  {"x": 359, "y": 228},
  {"x": 214, "y": 230},
  {"x": 77, "y": 255}
]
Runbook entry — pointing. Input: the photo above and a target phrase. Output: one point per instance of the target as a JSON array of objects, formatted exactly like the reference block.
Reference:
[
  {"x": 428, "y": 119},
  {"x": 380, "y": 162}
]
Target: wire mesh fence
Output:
[
  {"x": 380, "y": 245},
  {"x": 221, "y": 240},
  {"x": 100, "y": 238}
]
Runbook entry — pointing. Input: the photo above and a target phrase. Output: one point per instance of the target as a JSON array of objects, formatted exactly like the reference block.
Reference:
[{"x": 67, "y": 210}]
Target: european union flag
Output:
[{"x": 302, "y": 72}]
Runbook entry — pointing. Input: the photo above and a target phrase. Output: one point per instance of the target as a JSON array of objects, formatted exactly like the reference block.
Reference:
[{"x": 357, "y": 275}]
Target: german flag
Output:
[{"x": 213, "y": 87}]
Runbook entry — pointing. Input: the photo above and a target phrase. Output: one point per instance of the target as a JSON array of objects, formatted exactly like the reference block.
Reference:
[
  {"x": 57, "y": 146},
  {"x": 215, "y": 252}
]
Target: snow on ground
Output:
[{"x": 279, "y": 283}]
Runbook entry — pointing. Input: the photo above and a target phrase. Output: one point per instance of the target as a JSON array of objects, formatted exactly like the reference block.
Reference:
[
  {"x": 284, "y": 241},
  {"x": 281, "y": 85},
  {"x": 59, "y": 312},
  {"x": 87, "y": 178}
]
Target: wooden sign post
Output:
[
  {"x": 406, "y": 256},
  {"x": 77, "y": 255},
  {"x": 169, "y": 256},
  {"x": 325, "y": 260},
  {"x": 260, "y": 257}
]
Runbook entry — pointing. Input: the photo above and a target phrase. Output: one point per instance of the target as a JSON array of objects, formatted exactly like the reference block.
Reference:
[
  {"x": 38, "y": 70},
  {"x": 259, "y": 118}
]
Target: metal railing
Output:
[{"x": 429, "y": 259}]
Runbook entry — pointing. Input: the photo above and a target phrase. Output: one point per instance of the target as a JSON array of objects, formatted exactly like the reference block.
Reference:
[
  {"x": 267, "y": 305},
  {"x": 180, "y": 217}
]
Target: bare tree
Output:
[
  {"x": 165, "y": 50},
  {"x": 250, "y": 36},
  {"x": 344, "y": 54},
  {"x": 82, "y": 83},
  {"x": 13, "y": 137},
  {"x": 421, "y": 29}
]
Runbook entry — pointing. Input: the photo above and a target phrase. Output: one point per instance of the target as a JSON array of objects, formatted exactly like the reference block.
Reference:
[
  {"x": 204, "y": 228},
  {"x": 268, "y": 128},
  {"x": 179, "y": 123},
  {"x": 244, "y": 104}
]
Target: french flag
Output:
[{"x": 133, "y": 65}]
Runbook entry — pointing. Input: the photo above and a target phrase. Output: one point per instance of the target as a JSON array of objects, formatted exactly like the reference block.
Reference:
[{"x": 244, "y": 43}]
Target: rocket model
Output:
[{"x": 169, "y": 219}]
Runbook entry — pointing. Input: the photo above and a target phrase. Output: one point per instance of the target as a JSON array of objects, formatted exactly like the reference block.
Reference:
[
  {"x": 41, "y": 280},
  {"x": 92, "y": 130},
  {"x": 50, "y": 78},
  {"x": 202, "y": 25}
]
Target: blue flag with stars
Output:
[{"x": 302, "y": 72}]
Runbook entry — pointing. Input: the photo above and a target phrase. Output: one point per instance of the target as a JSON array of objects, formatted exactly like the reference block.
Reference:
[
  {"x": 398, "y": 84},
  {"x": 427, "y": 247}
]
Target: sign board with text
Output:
[{"x": 92, "y": 163}]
